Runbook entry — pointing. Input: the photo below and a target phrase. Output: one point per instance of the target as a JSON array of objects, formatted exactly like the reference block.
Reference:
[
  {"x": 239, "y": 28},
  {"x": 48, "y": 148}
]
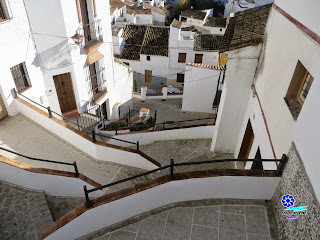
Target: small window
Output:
[
  {"x": 20, "y": 77},
  {"x": 148, "y": 58},
  {"x": 4, "y": 13},
  {"x": 182, "y": 57},
  {"x": 220, "y": 29},
  {"x": 198, "y": 58},
  {"x": 298, "y": 89},
  {"x": 180, "y": 77},
  {"x": 183, "y": 19}
]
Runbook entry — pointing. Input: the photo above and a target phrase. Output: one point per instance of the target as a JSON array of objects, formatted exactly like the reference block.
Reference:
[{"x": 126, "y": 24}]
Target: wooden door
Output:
[
  {"x": 3, "y": 110},
  {"x": 63, "y": 83},
  {"x": 246, "y": 142},
  {"x": 148, "y": 76}
]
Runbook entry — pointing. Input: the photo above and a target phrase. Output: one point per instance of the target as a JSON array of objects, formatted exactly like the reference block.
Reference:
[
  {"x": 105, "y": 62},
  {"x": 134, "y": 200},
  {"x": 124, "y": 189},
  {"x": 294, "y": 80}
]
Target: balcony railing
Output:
[
  {"x": 91, "y": 33},
  {"x": 97, "y": 84}
]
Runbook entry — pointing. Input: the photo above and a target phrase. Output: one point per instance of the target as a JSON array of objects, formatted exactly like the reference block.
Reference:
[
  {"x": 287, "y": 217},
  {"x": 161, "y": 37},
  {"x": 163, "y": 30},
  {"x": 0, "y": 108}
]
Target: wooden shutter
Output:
[
  {"x": 198, "y": 58},
  {"x": 182, "y": 57}
]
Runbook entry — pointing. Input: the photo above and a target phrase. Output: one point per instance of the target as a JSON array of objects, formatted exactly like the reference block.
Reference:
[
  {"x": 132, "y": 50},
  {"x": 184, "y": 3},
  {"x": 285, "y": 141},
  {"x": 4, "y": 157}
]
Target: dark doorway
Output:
[{"x": 257, "y": 164}]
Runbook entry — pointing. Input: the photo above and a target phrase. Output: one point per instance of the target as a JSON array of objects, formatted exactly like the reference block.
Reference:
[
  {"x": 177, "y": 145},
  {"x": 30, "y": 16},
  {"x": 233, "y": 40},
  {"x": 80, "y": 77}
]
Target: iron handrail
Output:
[
  {"x": 51, "y": 111},
  {"x": 74, "y": 164},
  {"x": 121, "y": 140},
  {"x": 279, "y": 171}
]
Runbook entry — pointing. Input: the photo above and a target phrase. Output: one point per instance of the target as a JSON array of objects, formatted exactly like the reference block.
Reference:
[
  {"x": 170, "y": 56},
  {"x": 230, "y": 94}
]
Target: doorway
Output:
[
  {"x": 257, "y": 165},
  {"x": 64, "y": 88},
  {"x": 246, "y": 142},
  {"x": 148, "y": 76},
  {"x": 3, "y": 110}
]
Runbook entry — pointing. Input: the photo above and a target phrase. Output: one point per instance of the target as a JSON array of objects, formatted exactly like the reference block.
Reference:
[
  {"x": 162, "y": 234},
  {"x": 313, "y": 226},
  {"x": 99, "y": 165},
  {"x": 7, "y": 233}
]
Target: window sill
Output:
[
  {"x": 5, "y": 20},
  {"x": 294, "y": 107},
  {"x": 24, "y": 90}
]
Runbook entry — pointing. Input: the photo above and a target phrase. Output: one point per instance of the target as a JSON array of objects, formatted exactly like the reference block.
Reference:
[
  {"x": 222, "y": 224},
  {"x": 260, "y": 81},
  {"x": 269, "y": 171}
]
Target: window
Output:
[
  {"x": 4, "y": 14},
  {"x": 298, "y": 89},
  {"x": 198, "y": 58},
  {"x": 148, "y": 58},
  {"x": 180, "y": 77},
  {"x": 182, "y": 57},
  {"x": 220, "y": 29},
  {"x": 183, "y": 19},
  {"x": 20, "y": 77}
]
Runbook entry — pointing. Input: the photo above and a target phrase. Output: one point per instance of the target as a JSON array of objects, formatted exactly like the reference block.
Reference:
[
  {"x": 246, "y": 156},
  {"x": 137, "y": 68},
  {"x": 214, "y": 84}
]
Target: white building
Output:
[
  {"x": 195, "y": 17},
  {"x": 65, "y": 54},
  {"x": 116, "y": 11},
  {"x": 157, "y": 13},
  {"x": 146, "y": 52},
  {"x": 241, "y": 5},
  {"x": 190, "y": 44},
  {"x": 138, "y": 15},
  {"x": 200, "y": 87}
]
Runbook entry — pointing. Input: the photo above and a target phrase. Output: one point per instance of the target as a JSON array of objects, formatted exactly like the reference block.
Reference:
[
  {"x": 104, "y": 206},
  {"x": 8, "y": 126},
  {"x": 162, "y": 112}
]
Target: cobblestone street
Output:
[{"x": 23, "y": 214}]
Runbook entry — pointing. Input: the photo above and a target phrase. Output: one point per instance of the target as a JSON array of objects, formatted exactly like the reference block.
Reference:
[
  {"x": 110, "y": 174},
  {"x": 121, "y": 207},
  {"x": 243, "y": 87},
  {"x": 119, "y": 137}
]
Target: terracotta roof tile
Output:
[
  {"x": 215, "y": 22},
  {"x": 246, "y": 28},
  {"x": 152, "y": 8},
  {"x": 114, "y": 4},
  {"x": 137, "y": 10},
  {"x": 207, "y": 42},
  {"x": 194, "y": 14},
  {"x": 176, "y": 23}
]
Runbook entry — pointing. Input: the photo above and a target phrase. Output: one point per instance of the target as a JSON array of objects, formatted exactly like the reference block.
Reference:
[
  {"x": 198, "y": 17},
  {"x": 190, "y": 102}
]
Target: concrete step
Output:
[{"x": 23, "y": 213}]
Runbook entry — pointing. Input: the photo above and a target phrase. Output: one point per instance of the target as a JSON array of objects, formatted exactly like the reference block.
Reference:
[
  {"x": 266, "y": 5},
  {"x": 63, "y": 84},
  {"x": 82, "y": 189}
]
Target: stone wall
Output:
[{"x": 295, "y": 182}]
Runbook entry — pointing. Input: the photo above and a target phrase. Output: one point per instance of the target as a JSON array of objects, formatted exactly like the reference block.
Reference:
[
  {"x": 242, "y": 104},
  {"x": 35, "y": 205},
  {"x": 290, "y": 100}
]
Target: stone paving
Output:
[
  {"x": 170, "y": 110},
  {"x": 24, "y": 136},
  {"x": 199, "y": 222},
  {"x": 23, "y": 213}
]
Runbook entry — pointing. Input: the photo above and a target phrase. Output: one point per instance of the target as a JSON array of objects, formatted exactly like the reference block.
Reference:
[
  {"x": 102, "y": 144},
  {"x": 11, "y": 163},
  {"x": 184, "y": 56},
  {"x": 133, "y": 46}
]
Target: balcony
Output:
[
  {"x": 90, "y": 34},
  {"x": 97, "y": 86}
]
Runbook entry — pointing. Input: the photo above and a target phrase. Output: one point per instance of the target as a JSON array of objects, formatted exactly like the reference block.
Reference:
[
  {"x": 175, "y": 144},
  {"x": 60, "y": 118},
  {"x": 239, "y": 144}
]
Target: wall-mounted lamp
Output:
[{"x": 77, "y": 38}]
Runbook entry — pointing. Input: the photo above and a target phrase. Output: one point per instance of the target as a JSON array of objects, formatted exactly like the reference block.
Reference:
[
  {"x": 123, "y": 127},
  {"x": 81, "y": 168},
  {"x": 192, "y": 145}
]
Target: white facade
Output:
[
  {"x": 241, "y": 5},
  {"x": 200, "y": 86},
  {"x": 180, "y": 42}
]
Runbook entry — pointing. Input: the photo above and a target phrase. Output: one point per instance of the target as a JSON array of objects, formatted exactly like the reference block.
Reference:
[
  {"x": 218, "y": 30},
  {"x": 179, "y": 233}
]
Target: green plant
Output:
[
  {"x": 139, "y": 127},
  {"x": 135, "y": 86},
  {"x": 117, "y": 125}
]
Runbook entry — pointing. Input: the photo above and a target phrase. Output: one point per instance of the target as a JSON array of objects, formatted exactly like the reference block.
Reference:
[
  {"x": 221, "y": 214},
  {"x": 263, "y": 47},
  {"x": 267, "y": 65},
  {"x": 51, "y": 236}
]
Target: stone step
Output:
[{"x": 23, "y": 213}]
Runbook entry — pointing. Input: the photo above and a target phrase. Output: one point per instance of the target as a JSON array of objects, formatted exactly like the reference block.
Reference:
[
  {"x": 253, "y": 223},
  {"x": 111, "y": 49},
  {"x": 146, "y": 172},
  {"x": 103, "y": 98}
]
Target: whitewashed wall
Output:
[
  {"x": 145, "y": 138},
  {"x": 200, "y": 85},
  {"x": 158, "y": 17},
  {"x": 236, "y": 93},
  {"x": 17, "y": 46},
  {"x": 172, "y": 192},
  {"x": 68, "y": 187},
  {"x": 96, "y": 151}
]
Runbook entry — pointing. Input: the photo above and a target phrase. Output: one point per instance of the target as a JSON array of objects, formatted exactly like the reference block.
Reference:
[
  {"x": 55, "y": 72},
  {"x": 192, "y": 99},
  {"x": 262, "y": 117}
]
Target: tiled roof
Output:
[
  {"x": 246, "y": 28},
  {"x": 194, "y": 14},
  {"x": 115, "y": 30},
  {"x": 128, "y": 3},
  {"x": 206, "y": 66},
  {"x": 152, "y": 8},
  {"x": 196, "y": 29},
  {"x": 134, "y": 35},
  {"x": 142, "y": 39},
  {"x": 137, "y": 10},
  {"x": 207, "y": 42},
  {"x": 114, "y": 4},
  {"x": 176, "y": 23},
  {"x": 215, "y": 22},
  {"x": 156, "y": 41}
]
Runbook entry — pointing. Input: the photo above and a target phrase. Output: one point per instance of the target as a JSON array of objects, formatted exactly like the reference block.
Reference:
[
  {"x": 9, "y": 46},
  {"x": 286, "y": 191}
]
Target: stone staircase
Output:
[{"x": 25, "y": 213}]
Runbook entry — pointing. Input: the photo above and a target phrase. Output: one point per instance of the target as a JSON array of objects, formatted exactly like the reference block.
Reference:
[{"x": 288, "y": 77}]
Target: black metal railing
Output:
[
  {"x": 96, "y": 83},
  {"x": 91, "y": 33},
  {"x": 74, "y": 164},
  {"x": 94, "y": 139},
  {"x": 90, "y": 117},
  {"x": 171, "y": 166}
]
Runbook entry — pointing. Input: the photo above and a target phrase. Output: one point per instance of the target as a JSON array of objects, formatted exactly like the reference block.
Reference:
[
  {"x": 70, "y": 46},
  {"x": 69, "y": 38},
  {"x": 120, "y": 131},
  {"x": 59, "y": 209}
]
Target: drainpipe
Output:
[{"x": 265, "y": 122}]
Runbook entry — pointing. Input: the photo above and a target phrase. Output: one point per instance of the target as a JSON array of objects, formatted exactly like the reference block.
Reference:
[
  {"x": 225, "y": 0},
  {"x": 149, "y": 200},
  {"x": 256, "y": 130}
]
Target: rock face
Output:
[{"x": 23, "y": 213}]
